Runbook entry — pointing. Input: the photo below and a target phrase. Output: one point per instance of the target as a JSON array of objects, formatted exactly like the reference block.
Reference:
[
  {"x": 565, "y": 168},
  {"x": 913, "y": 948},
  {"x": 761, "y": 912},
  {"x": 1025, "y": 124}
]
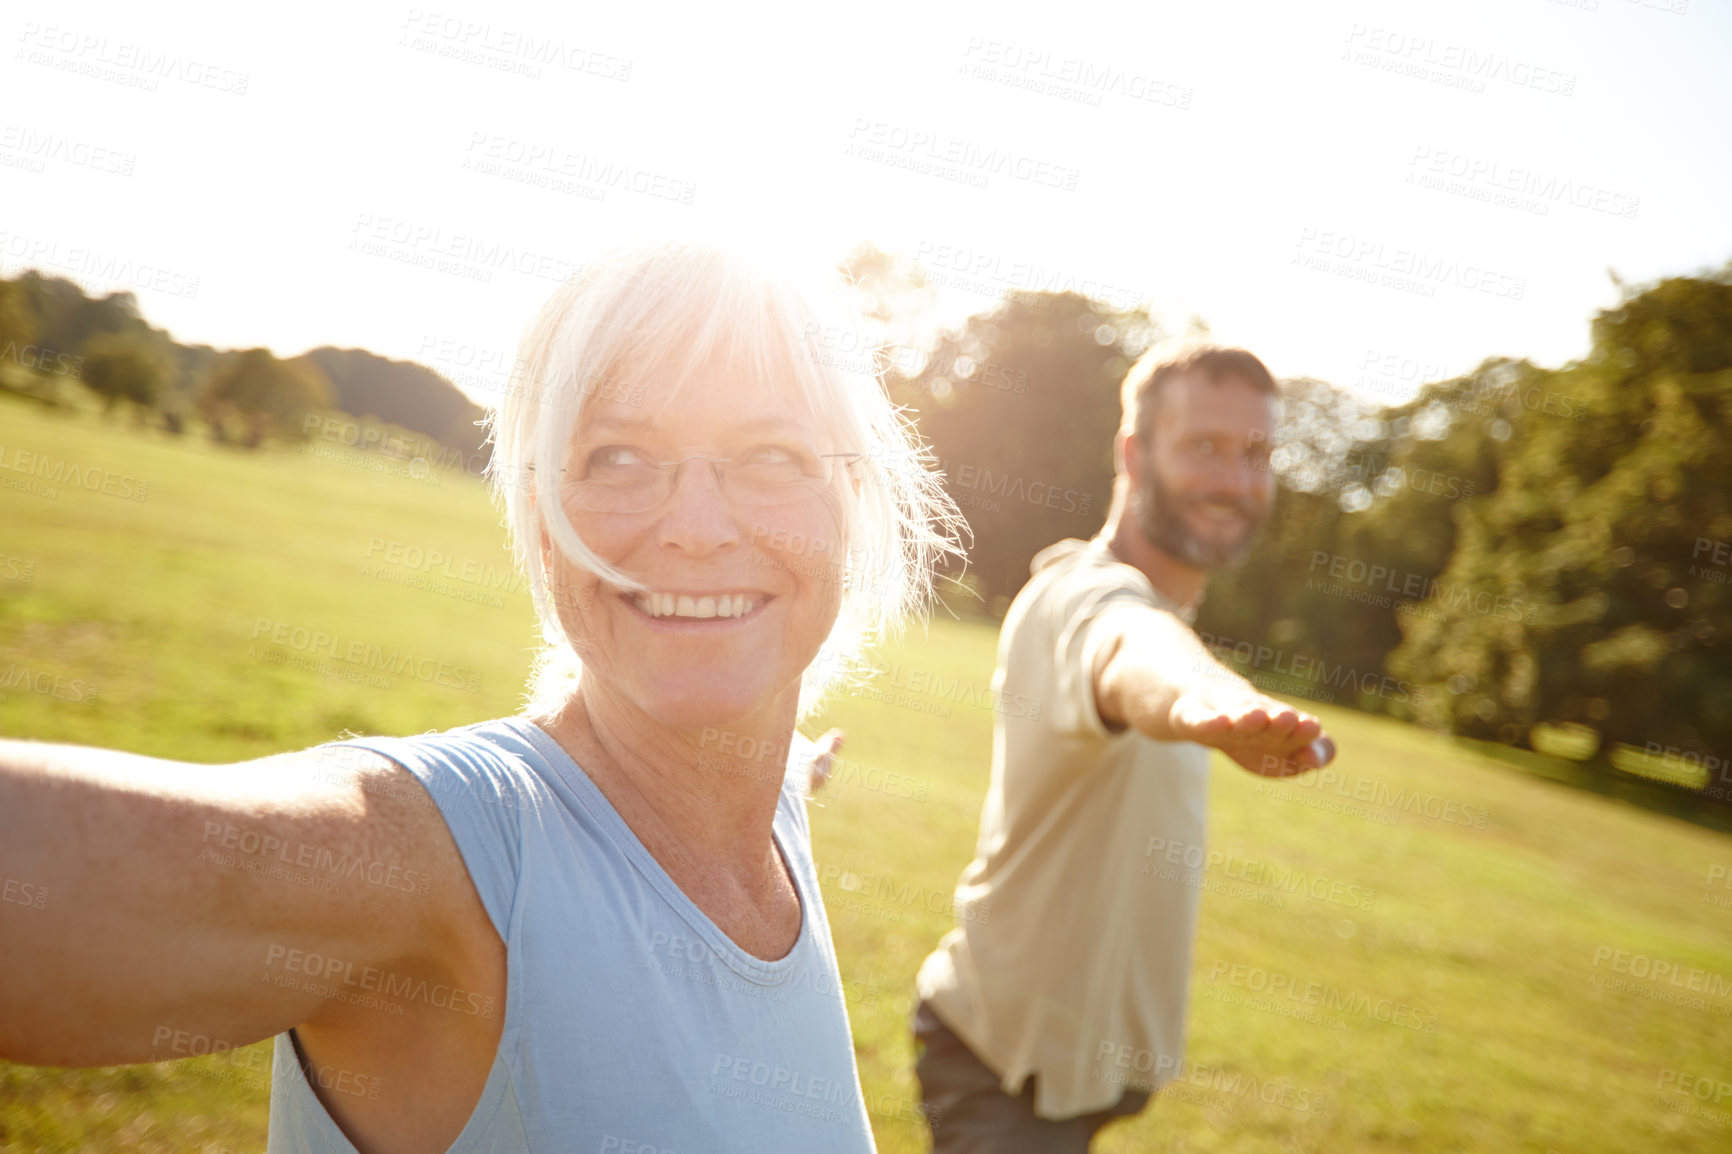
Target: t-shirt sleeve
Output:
[
  {"x": 1089, "y": 610},
  {"x": 482, "y": 793}
]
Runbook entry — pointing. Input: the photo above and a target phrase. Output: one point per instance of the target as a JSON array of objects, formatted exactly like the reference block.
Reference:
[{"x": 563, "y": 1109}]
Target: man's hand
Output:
[
  {"x": 824, "y": 752},
  {"x": 1155, "y": 675},
  {"x": 1261, "y": 734}
]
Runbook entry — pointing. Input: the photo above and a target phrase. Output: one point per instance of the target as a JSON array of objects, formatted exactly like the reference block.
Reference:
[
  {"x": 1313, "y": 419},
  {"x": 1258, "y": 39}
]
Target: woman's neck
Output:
[{"x": 700, "y": 798}]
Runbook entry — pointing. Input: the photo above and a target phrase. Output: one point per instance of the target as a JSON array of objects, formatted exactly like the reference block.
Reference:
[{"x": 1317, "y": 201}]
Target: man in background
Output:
[{"x": 1067, "y": 955}]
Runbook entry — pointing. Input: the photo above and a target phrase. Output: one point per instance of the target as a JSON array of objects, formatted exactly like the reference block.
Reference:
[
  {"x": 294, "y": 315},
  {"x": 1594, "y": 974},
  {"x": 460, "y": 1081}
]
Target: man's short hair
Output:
[{"x": 1141, "y": 393}]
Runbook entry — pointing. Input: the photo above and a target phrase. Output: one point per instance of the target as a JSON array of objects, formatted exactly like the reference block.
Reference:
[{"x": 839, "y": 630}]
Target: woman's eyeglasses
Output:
[{"x": 627, "y": 479}]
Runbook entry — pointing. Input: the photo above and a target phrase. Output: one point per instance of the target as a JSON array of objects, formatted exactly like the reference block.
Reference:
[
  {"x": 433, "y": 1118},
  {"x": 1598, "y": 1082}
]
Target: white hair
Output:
[{"x": 659, "y": 311}]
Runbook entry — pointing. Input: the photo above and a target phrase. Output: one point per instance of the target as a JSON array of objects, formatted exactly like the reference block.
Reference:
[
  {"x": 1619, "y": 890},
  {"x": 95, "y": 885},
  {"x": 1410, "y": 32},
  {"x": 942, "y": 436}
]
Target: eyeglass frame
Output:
[{"x": 716, "y": 464}]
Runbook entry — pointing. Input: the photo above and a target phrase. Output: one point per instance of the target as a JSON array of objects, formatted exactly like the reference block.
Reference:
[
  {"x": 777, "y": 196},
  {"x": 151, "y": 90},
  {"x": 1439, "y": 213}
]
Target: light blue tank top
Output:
[{"x": 631, "y": 1021}]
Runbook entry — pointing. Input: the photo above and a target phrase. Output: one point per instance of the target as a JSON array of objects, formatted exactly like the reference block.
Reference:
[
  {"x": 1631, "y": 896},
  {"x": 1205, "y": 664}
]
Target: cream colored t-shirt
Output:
[{"x": 1071, "y": 956}]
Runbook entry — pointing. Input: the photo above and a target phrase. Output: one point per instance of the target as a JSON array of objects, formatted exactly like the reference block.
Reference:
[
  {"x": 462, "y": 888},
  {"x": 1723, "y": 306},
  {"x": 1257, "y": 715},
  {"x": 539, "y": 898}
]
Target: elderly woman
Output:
[{"x": 595, "y": 926}]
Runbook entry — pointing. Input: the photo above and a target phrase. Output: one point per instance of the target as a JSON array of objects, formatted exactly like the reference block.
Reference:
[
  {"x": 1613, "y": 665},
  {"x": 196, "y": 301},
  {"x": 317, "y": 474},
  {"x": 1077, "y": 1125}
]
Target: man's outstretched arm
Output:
[{"x": 1154, "y": 675}]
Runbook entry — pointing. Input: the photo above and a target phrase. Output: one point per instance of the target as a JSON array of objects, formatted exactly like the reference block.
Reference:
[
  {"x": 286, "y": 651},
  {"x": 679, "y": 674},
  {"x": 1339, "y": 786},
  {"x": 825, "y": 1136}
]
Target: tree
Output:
[
  {"x": 1020, "y": 408},
  {"x": 66, "y": 318},
  {"x": 410, "y": 395},
  {"x": 266, "y": 396},
  {"x": 899, "y": 308},
  {"x": 127, "y": 368},
  {"x": 1612, "y": 505}
]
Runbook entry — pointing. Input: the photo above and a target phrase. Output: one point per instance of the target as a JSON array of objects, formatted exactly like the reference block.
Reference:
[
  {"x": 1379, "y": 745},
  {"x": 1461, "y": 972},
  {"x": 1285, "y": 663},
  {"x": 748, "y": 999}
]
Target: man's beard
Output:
[{"x": 1163, "y": 523}]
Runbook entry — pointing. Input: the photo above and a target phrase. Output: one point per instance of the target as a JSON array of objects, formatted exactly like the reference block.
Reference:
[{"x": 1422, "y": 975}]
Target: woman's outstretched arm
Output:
[{"x": 147, "y": 897}]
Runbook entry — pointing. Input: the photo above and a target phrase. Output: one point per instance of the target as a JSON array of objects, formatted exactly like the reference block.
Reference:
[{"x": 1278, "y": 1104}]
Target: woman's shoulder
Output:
[{"x": 496, "y": 760}]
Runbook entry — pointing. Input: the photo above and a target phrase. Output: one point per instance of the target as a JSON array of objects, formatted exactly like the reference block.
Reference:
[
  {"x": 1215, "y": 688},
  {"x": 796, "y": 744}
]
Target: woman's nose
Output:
[{"x": 697, "y": 516}]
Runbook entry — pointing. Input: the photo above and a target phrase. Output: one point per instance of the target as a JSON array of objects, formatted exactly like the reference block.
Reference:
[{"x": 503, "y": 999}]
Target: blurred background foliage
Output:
[
  {"x": 1537, "y": 557},
  {"x": 1531, "y": 556}
]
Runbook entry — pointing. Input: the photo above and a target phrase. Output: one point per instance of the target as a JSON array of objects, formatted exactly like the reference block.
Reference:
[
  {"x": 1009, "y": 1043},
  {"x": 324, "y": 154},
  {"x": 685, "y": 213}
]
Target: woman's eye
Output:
[
  {"x": 771, "y": 455},
  {"x": 617, "y": 457}
]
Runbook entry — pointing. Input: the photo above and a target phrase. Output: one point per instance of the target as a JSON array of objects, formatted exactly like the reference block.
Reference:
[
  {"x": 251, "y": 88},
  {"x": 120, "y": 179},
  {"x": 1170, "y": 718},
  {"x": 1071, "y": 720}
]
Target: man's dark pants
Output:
[{"x": 969, "y": 1113}]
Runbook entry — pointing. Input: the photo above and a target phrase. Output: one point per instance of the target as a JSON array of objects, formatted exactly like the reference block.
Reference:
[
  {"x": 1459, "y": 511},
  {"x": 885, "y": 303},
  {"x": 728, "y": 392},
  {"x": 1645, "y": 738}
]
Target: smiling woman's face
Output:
[{"x": 741, "y": 598}]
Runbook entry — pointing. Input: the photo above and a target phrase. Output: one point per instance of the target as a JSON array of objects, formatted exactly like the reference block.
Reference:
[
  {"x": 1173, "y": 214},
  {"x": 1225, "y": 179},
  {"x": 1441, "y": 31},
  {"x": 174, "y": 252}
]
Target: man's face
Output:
[{"x": 1202, "y": 486}]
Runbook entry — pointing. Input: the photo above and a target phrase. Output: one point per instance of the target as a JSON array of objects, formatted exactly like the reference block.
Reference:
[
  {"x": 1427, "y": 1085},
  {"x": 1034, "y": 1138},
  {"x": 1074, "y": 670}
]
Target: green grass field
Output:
[{"x": 1480, "y": 988}]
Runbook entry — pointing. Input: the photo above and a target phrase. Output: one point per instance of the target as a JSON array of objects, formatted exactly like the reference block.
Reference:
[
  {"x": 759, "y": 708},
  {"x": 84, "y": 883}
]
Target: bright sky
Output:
[{"x": 1372, "y": 193}]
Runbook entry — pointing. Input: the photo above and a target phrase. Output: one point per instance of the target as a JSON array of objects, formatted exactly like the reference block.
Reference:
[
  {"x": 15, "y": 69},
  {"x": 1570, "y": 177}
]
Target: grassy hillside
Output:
[{"x": 1502, "y": 963}]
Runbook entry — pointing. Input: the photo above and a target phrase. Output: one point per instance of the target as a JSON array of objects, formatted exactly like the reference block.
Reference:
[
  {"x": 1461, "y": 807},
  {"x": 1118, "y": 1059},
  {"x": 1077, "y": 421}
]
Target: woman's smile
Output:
[{"x": 686, "y": 609}]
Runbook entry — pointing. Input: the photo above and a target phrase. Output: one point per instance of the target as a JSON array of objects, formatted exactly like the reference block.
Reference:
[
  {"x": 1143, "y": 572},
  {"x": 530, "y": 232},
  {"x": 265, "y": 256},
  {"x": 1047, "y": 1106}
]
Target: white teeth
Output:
[{"x": 679, "y": 605}]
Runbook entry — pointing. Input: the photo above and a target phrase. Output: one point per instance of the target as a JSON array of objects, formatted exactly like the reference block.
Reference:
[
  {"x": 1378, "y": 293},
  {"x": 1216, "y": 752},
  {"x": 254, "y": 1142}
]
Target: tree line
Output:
[{"x": 55, "y": 338}]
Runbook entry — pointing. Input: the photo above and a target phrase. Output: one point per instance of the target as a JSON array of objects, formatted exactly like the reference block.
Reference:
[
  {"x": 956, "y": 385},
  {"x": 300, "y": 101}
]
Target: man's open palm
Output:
[{"x": 1260, "y": 733}]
